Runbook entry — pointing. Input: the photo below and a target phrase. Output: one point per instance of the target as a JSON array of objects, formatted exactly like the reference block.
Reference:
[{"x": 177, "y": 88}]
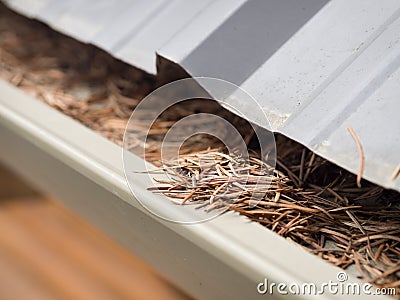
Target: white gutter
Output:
[{"x": 220, "y": 259}]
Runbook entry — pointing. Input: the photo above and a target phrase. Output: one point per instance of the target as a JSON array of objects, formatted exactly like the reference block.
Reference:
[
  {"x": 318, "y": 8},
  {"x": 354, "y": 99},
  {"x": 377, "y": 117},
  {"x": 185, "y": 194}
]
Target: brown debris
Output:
[
  {"x": 396, "y": 172},
  {"x": 361, "y": 153}
]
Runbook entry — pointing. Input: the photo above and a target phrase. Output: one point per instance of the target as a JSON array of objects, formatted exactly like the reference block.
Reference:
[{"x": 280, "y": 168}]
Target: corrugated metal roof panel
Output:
[
  {"x": 194, "y": 33},
  {"x": 248, "y": 38},
  {"x": 315, "y": 66},
  {"x": 130, "y": 21},
  {"x": 29, "y": 8},
  {"x": 143, "y": 44},
  {"x": 132, "y": 30},
  {"x": 82, "y": 19},
  {"x": 329, "y": 75}
]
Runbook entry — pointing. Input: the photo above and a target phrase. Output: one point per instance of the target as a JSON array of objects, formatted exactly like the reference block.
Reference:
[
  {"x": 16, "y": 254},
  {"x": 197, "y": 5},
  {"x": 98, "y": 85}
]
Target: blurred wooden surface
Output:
[{"x": 48, "y": 252}]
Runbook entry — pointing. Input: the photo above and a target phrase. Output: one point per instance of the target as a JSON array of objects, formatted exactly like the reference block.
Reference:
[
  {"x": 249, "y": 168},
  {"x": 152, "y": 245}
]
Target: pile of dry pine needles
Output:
[{"x": 309, "y": 201}]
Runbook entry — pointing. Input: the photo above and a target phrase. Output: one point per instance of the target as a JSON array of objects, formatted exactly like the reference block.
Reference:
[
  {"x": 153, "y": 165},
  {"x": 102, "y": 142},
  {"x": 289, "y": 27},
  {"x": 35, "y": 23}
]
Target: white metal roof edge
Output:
[{"x": 352, "y": 79}]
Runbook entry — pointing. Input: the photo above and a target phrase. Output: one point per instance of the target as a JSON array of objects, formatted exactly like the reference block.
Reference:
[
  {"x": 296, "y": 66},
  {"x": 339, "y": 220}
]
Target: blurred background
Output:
[{"x": 48, "y": 252}]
